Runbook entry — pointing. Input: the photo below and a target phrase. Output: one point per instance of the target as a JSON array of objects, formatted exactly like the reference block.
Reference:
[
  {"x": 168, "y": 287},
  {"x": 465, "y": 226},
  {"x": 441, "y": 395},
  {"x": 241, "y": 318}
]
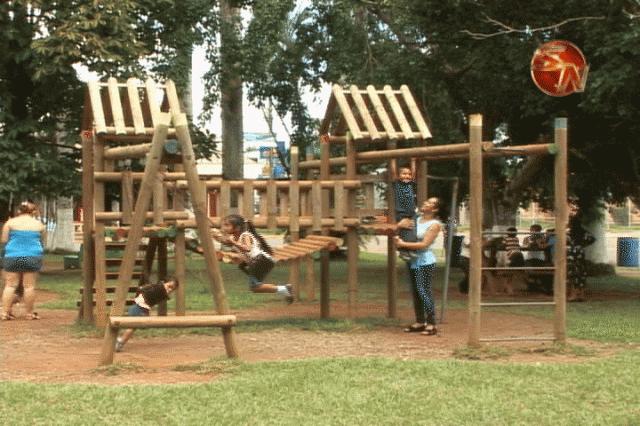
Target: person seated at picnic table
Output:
[
  {"x": 549, "y": 251},
  {"x": 490, "y": 248},
  {"x": 535, "y": 245},
  {"x": 510, "y": 253}
]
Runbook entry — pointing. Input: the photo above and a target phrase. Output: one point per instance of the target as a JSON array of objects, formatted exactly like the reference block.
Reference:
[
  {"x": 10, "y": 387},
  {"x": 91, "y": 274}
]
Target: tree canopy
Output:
[
  {"x": 458, "y": 56},
  {"x": 462, "y": 57},
  {"x": 41, "y": 97}
]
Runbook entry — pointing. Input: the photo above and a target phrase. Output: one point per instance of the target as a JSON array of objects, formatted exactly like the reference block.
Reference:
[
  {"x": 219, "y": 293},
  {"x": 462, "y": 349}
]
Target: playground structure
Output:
[
  {"x": 388, "y": 116},
  {"x": 124, "y": 121}
]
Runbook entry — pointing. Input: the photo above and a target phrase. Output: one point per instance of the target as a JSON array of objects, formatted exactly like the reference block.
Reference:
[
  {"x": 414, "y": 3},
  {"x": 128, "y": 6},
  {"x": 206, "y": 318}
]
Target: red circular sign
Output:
[{"x": 559, "y": 68}]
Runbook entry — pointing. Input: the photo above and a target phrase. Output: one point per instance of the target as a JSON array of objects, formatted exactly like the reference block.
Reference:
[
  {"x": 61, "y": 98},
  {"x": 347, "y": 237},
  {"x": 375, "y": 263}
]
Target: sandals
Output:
[
  {"x": 7, "y": 317},
  {"x": 413, "y": 328},
  {"x": 431, "y": 330}
]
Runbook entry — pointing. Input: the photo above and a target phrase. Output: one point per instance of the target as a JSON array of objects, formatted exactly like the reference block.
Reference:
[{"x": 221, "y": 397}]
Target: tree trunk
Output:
[
  {"x": 231, "y": 102},
  {"x": 597, "y": 252},
  {"x": 62, "y": 238},
  {"x": 187, "y": 98}
]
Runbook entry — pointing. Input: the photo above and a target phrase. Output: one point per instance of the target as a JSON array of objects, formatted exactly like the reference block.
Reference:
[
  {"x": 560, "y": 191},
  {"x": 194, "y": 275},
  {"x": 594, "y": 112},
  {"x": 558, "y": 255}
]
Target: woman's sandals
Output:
[
  {"x": 7, "y": 317},
  {"x": 413, "y": 328},
  {"x": 430, "y": 330}
]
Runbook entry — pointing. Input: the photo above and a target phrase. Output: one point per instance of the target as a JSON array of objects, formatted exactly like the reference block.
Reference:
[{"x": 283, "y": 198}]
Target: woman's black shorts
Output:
[{"x": 22, "y": 264}]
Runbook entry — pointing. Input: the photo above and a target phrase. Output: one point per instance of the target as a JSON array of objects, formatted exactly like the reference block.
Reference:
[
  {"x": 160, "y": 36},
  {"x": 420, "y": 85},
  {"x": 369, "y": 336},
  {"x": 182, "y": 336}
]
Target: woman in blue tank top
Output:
[
  {"x": 23, "y": 240},
  {"x": 420, "y": 269}
]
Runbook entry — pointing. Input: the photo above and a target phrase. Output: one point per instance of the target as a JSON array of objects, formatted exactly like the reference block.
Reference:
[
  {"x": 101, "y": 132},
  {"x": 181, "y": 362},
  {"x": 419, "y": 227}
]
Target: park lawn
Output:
[
  {"x": 364, "y": 391},
  {"x": 350, "y": 392}
]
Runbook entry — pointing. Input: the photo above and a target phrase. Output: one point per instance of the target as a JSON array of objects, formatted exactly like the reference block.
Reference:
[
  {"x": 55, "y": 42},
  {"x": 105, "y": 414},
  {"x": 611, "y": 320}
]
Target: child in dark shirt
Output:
[
  {"x": 146, "y": 298},
  {"x": 405, "y": 189}
]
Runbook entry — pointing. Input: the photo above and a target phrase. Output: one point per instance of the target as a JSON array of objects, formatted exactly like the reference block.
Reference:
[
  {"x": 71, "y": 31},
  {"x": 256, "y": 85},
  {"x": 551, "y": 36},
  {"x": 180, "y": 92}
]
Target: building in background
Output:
[{"x": 261, "y": 160}]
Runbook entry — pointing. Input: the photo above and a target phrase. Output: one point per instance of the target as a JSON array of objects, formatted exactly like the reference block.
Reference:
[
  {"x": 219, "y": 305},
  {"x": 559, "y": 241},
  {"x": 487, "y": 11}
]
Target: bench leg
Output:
[{"x": 108, "y": 346}]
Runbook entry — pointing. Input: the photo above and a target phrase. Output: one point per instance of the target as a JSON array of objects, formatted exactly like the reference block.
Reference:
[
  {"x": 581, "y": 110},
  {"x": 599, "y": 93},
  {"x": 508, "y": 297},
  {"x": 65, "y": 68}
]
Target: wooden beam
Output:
[
  {"x": 96, "y": 107},
  {"x": 398, "y": 113},
  {"x": 561, "y": 213},
  {"x": 475, "y": 235},
  {"x": 415, "y": 112},
  {"x": 88, "y": 255},
  {"x": 382, "y": 113},
  {"x": 136, "y": 108},
  {"x": 154, "y": 109},
  {"x": 116, "y": 105},
  {"x": 173, "y": 322},
  {"x": 199, "y": 204},
  {"x": 364, "y": 113},
  {"x": 345, "y": 108},
  {"x": 135, "y": 234},
  {"x": 433, "y": 152}
]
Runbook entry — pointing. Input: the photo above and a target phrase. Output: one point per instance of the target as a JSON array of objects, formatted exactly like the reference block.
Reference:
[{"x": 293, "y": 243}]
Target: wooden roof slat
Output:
[
  {"x": 136, "y": 109},
  {"x": 96, "y": 107},
  {"x": 364, "y": 112},
  {"x": 346, "y": 111},
  {"x": 172, "y": 97},
  {"x": 328, "y": 116},
  {"x": 382, "y": 113},
  {"x": 415, "y": 112},
  {"x": 154, "y": 109},
  {"x": 116, "y": 105},
  {"x": 398, "y": 112}
]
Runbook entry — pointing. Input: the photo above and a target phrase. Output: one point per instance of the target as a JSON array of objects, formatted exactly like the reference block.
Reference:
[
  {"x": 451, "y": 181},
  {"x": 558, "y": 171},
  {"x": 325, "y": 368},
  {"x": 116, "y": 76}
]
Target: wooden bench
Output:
[{"x": 115, "y": 323}]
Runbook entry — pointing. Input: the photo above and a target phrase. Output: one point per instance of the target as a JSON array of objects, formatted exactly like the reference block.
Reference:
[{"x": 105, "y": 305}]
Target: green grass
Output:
[
  {"x": 349, "y": 392},
  {"x": 463, "y": 391}
]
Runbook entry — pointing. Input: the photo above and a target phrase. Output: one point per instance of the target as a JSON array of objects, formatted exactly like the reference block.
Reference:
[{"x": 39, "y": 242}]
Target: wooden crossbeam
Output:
[{"x": 173, "y": 322}]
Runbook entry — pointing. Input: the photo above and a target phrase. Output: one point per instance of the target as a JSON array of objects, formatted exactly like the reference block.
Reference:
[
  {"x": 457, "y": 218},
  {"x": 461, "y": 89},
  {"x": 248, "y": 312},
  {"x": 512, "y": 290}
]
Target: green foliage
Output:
[
  {"x": 41, "y": 98},
  {"x": 459, "y": 58}
]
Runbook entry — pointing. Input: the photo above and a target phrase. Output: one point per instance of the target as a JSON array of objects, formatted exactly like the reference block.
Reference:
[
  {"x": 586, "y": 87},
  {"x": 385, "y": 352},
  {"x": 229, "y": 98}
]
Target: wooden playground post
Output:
[
  {"x": 88, "y": 259},
  {"x": 180, "y": 252},
  {"x": 392, "y": 257},
  {"x": 101, "y": 165},
  {"x": 294, "y": 214},
  {"x": 560, "y": 193},
  {"x": 352, "y": 235},
  {"x": 475, "y": 233},
  {"x": 162, "y": 270},
  {"x": 324, "y": 209},
  {"x": 422, "y": 170}
]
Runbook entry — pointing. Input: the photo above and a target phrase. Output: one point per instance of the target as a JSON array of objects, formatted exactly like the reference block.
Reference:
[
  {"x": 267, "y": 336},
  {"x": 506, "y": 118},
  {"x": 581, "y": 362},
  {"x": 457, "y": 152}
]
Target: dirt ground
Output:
[{"x": 46, "y": 351}]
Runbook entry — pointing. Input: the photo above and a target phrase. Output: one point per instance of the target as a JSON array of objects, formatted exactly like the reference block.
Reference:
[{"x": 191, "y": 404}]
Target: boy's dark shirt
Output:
[
  {"x": 405, "y": 197},
  {"x": 153, "y": 293}
]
